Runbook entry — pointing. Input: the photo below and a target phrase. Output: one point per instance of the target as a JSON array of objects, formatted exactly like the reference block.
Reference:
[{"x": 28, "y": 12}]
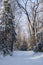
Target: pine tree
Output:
[{"x": 9, "y": 34}]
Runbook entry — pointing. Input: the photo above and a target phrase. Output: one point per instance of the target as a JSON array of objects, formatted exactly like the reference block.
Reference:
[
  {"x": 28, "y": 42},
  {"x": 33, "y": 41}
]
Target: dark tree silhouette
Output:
[{"x": 9, "y": 34}]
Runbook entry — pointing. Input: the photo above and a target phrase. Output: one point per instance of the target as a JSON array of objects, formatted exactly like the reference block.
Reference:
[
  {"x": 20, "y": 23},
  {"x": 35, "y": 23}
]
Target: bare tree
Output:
[{"x": 32, "y": 26}]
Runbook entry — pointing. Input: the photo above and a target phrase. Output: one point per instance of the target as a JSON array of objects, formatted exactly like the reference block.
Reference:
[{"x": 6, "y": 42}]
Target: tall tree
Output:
[
  {"x": 31, "y": 14},
  {"x": 9, "y": 33}
]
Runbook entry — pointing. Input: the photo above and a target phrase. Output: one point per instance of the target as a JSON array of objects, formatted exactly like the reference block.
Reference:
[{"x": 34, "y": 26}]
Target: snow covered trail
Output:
[{"x": 23, "y": 58}]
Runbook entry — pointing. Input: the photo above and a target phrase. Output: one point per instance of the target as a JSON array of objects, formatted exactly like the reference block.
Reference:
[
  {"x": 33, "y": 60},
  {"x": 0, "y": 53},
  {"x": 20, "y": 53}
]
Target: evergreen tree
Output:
[{"x": 9, "y": 34}]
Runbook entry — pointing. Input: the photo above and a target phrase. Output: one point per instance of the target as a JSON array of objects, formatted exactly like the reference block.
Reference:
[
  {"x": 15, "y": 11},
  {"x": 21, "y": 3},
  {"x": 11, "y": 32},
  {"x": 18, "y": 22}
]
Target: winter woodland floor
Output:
[{"x": 22, "y": 58}]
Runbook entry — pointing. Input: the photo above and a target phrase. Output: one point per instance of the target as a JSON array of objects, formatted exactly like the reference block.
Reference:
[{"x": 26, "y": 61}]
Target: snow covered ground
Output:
[{"x": 22, "y": 58}]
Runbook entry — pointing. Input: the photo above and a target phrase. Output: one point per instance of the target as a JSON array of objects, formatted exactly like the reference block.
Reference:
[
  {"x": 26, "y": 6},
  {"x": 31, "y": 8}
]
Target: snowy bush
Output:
[{"x": 39, "y": 47}]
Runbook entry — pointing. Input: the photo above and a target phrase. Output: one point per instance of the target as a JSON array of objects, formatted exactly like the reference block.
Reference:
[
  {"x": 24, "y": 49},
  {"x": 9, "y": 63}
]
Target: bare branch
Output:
[
  {"x": 25, "y": 11},
  {"x": 39, "y": 11},
  {"x": 26, "y": 4}
]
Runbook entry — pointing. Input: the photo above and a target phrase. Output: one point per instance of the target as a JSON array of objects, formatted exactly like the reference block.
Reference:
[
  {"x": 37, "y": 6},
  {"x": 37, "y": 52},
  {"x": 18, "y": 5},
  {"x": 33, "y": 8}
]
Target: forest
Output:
[{"x": 21, "y": 26}]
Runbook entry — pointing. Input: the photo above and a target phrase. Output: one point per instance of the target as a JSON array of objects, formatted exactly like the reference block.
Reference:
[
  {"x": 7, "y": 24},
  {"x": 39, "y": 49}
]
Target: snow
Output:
[{"x": 23, "y": 58}]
